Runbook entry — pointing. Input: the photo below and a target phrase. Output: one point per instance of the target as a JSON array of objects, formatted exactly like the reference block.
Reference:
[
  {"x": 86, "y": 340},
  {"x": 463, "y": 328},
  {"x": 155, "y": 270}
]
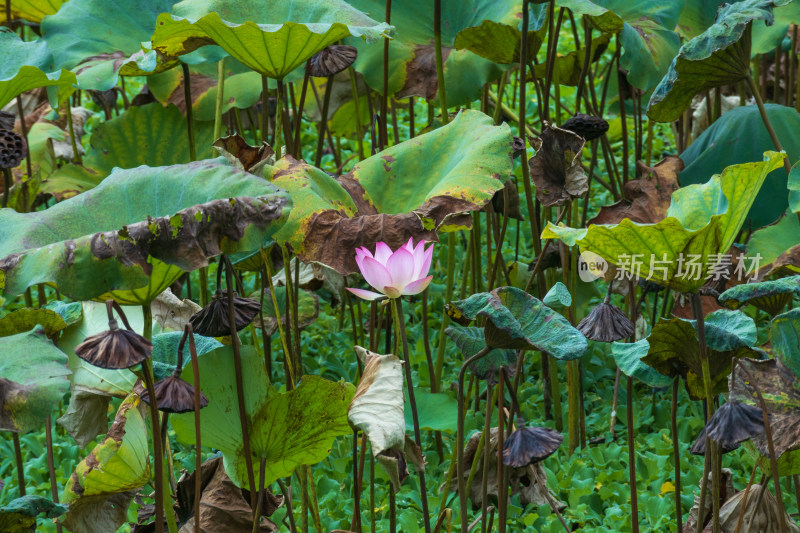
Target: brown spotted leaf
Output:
[
  {"x": 241, "y": 155},
  {"x": 556, "y": 167},
  {"x": 102, "y": 240},
  {"x": 413, "y": 189},
  {"x": 645, "y": 200}
]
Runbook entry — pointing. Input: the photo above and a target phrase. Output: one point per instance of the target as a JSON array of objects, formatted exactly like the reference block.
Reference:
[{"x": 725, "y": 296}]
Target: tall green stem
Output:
[
  {"x": 187, "y": 96},
  {"x": 76, "y": 155},
  {"x": 437, "y": 43},
  {"x": 448, "y": 297},
  {"x": 219, "y": 102},
  {"x": 765, "y": 119},
  {"x": 400, "y": 331}
]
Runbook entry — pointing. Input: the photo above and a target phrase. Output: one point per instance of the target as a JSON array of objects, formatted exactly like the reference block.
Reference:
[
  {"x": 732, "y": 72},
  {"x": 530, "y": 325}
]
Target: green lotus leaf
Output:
[
  {"x": 721, "y": 145},
  {"x": 242, "y": 88},
  {"x": 286, "y": 429},
  {"x": 674, "y": 348},
  {"x": 19, "y": 516},
  {"x": 696, "y": 17},
  {"x": 34, "y": 379},
  {"x": 600, "y": 15},
  {"x": 794, "y": 187},
  {"x": 341, "y": 108},
  {"x": 629, "y": 357},
  {"x": 558, "y": 296},
  {"x": 471, "y": 340},
  {"x": 114, "y": 49},
  {"x": 71, "y": 312},
  {"x": 679, "y": 251},
  {"x": 89, "y": 378},
  {"x": 440, "y": 412},
  {"x": 517, "y": 320},
  {"x": 101, "y": 240},
  {"x": 165, "y": 351},
  {"x": 771, "y": 241},
  {"x": 412, "y": 70},
  {"x": 26, "y": 318},
  {"x": 498, "y": 42},
  {"x": 102, "y": 486},
  {"x": 144, "y": 135},
  {"x": 161, "y": 276},
  {"x": 30, "y": 10},
  {"x": 767, "y": 37},
  {"x": 30, "y": 65},
  {"x": 567, "y": 68},
  {"x": 307, "y": 309},
  {"x": 411, "y": 189},
  {"x": 780, "y": 389},
  {"x": 769, "y": 296},
  {"x": 718, "y": 56},
  {"x": 257, "y": 34},
  {"x": 785, "y": 337}
]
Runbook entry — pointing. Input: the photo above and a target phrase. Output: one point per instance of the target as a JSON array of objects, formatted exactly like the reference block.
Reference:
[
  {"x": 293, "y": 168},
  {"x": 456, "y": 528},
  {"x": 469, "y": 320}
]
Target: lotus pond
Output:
[{"x": 417, "y": 266}]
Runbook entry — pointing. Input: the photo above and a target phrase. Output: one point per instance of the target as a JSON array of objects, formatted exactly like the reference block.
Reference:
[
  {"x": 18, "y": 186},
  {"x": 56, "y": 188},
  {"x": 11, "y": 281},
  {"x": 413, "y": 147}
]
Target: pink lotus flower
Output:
[{"x": 393, "y": 274}]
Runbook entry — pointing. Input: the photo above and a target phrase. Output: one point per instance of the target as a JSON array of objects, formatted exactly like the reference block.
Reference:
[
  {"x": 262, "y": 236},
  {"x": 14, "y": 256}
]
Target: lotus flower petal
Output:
[
  {"x": 375, "y": 273},
  {"x": 401, "y": 268},
  {"x": 365, "y": 294},
  {"x": 416, "y": 287},
  {"x": 382, "y": 253}
]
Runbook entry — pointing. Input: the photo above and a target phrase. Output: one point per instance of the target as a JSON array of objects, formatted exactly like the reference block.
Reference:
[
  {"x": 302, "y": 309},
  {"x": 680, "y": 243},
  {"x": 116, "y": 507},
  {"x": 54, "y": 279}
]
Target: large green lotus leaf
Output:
[
  {"x": 33, "y": 378},
  {"x": 161, "y": 276},
  {"x": 780, "y": 389},
  {"x": 118, "y": 29},
  {"x": 150, "y": 135},
  {"x": 19, "y": 516},
  {"x": 517, "y": 320},
  {"x": 287, "y": 429},
  {"x": 696, "y": 17},
  {"x": 718, "y": 56},
  {"x": 412, "y": 68},
  {"x": 29, "y": 65},
  {"x": 794, "y": 188},
  {"x": 26, "y": 318},
  {"x": 769, "y": 296},
  {"x": 785, "y": 337},
  {"x": 411, "y": 189},
  {"x": 498, "y": 42},
  {"x": 100, "y": 240},
  {"x": 471, "y": 340},
  {"x": 30, "y": 10},
  {"x": 702, "y": 222},
  {"x": 740, "y": 136},
  {"x": 71, "y": 312},
  {"x": 629, "y": 357},
  {"x": 674, "y": 348},
  {"x": 165, "y": 351},
  {"x": 771, "y": 241},
  {"x": 89, "y": 378},
  {"x": 766, "y": 38},
  {"x": 100, "y": 489},
  {"x": 272, "y": 38}
]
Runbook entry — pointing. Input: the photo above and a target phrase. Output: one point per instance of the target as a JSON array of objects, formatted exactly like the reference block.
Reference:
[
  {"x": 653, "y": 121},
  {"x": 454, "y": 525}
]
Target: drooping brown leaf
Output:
[
  {"x": 763, "y": 506},
  {"x": 732, "y": 424},
  {"x": 223, "y": 505},
  {"x": 645, "y": 200},
  {"x": 173, "y": 395},
  {"x": 498, "y": 200},
  {"x": 421, "y": 72},
  {"x": 606, "y": 323},
  {"x": 212, "y": 320},
  {"x": 725, "y": 492},
  {"x": 171, "y": 312},
  {"x": 331, "y": 60},
  {"x": 528, "y": 445},
  {"x": 556, "y": 167},
  {"x": 115, "y": 348},
  {"x": 86, "y": 416},
  {"x": 242, "y": 155},
  {"x": 198, "y": 85}
]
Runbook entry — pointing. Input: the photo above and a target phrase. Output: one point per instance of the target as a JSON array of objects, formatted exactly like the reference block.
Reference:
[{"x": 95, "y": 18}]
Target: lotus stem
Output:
[
  {"x": 384, "y": 134},
  {"x": 7, "y": 181},
  {"x": 20, "y": 464},
  {"x": 260, "y": 494},
  {"x": 286, "y": 353},
  {"x": 448, "y": 296},
  {"x": 287, "y": 498},
  {"x": 323, "y": 121},
  {"x": 298, "y": 122},
  {"x": 76, "y": 155},
  {"x": 701, "y": 514},
  {"x": 198, "y": 459},
  {"x": 264, "y": 112},
  {"x": 632, "y": 460},
  {"x": 158, "y": 454},
  {"x": 219, "y": 102},
  {"x": 22, "y": 126},
  {"x": 314, "y": 504},
  {"x": 400, "y": 332},
  {"x": 437, "y": 43},
  {"x": 187, "y": 96},
  {"x": 281, "y": 129},
  {"x": 502, "y": 485},
  {"x": 552, "y": 46},
  {"x": 356, "y": 521},
  {"x": 676, "y": 456},
  {"x": 553, "y": 504},
  {"x": 392, "y": 511},
  {"x": 51, "y": 468},
  {"x": 765, "y": 119},
  {"x": 744, "y": 499},
  {"x": 462, "y": 494},
  {"x": 486, "y": 454},
  {"x": 237, "y": 365}
]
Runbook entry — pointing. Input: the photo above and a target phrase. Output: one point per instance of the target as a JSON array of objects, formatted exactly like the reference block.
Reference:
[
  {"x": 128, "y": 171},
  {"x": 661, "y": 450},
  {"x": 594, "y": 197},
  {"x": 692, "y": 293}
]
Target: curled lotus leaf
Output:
[
  {"x": 412, "y": 189},
  {"x": 26, "y": 319},
  {"x": 30, "y": 10},
  {"x": 777, "y": 248},
  {"x": 701, "y": 223},
  {"x": 517, "y": 320},
  {"x": 19, "y": 516},
  {"x": 629, "y": 357},
  {"x": 102, "y": 486},
  {"x": 556, "y": 167},
  {"x": 674, "y": 349},
  {"x": 718, "y": 56},
  {"x": 257, "y": 34},
  {"x": 102, "y": 240},
  {"x": 784, "y": 334},
  {"x": 769, "y": 296},
  {"x": 498, "y": 42},
  {"x": 471, "y": 340}
]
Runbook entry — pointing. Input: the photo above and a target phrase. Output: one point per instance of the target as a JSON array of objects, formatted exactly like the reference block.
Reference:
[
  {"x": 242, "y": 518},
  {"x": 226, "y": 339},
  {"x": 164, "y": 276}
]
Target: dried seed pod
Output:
[
  {"x": 174, "y": 395},
  {"x": 12, "y": 149},
  {"x": 732, "y": 424},
  {"x": 587, "y": 126},
  {"x": 212, "y": 320},
  {"x": 331, "y": 60},
  {"x": 526, "y": 446},
  {"x": 517, "y": 147},
  {"x": 114, "y": 349},
  {"x": 606, "y": 323}
]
